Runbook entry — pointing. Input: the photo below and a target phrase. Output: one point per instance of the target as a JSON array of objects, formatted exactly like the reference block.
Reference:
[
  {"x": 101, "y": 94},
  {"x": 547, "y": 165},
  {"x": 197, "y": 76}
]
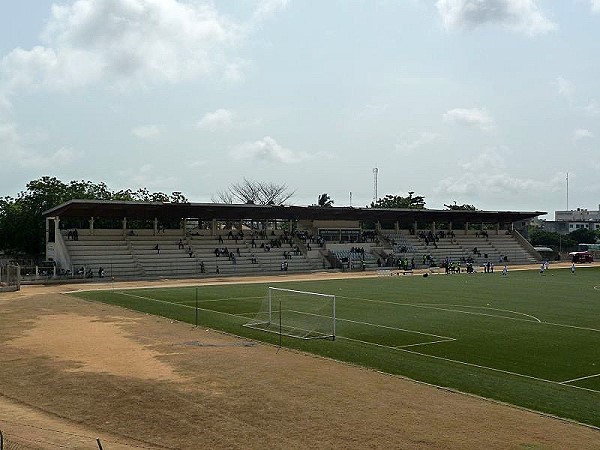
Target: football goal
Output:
[{"x": 299, "y": 314}]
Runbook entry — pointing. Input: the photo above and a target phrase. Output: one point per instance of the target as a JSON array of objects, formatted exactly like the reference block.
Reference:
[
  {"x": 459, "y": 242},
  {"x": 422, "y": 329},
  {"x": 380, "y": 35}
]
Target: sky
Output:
[{"x": 483, "y": 102}]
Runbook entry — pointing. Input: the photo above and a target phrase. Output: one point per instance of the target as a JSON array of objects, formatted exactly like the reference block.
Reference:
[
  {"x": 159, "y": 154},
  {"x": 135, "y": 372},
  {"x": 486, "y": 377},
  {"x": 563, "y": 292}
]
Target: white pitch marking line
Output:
[
  {"x": 219, "y": 300},
  {"x": 486, "y": 307},
  {"x": 176, "y": 304},
  {"x": 446, "y": 338},
  {"x": 400, "y": 349},
  {"x": 426, "y": 306},
  {"x": 580, "y": 378},
  {"x": 467, "y": 312},
  {"x": 396, "y": 348}
]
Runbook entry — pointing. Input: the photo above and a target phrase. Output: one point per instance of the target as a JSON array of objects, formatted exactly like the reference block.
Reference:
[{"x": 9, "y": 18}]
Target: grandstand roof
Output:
[{"x": 208, "y": 211}]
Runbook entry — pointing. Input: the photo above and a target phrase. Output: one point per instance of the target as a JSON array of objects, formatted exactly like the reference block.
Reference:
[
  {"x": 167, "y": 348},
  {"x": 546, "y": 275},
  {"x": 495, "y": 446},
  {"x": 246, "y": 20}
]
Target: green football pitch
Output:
[{"x": 527, "y": 339}]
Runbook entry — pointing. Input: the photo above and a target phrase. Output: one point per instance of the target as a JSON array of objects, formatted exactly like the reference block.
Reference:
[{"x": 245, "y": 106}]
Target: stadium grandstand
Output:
[{"x": 120, "y": 240}]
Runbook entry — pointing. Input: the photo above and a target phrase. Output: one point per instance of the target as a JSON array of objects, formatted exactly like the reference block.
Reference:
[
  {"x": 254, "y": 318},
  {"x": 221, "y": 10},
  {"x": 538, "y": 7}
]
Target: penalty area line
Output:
[
  {"x": 478, "y": 366},
  {"x": 580, "y": 378}
]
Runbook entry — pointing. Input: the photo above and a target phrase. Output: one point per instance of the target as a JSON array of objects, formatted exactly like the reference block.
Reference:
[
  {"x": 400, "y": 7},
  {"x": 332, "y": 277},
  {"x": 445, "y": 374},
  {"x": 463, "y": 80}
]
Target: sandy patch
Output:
[
  {"x": 94, "y": 345},
  {"x": 98, "y": 370}
]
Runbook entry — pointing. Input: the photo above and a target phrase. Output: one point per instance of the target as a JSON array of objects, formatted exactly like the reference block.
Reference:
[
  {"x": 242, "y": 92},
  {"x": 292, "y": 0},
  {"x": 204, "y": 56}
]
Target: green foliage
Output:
[
  {"x": 543, "y": 238},
  {"x": 463, "y": 207},
  {"x": 556, "y": 241},
  {"x": 325, "y": 201},
  {"x": 399, "y": 202},
  {"x": 22, "y": 225},
  {"x": 583, "y": 236}
]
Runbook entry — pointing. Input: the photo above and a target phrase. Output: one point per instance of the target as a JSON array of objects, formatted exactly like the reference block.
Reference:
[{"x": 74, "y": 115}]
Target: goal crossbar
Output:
[{"x": 292, "y": 313}]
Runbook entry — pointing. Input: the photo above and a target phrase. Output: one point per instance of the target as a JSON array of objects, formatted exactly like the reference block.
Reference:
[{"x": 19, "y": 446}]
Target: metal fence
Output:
[
  {"x": 10, "y": 278},
  {"x": 6, "y": 444},
  {"x": 16, "y": 442}
]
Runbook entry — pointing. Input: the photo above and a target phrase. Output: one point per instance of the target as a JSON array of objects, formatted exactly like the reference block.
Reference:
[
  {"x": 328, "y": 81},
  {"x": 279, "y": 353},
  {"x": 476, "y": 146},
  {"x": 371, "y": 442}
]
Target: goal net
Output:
[
  {"x": 304, "y": 315},
  {"x": 10, "y": 278}
]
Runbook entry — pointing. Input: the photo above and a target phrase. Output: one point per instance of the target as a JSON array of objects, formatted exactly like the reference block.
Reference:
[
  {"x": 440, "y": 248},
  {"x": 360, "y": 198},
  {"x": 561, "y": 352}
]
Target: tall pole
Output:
[
  {"x": 375, "y": 172},
  {"x": 350, "y": 198},
  {"x": 567, "y": 191}
]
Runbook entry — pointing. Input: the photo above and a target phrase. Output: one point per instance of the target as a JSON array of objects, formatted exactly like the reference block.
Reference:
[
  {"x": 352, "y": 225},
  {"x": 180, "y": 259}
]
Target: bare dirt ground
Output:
[{"x": 72, "y": 370}]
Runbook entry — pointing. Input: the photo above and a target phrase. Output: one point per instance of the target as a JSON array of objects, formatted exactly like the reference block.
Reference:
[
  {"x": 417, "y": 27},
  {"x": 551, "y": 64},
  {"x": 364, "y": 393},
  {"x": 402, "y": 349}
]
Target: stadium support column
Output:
[
  {"x": 47, "y": 230},
  {"x": 415, "y": 227},
  {"x": 466, "y": 227},
  {"x": 92, "y": 226},
  {"x": 56, "y": 228},
  {"x": 124, "y": 226},
  {"x": 155, "y": 226},
  {"x": 214, "y": 227},
  {"x": 497, "y": 227},
  {"x": 433, "y": 227},
  {"x": 396, "y": 226}
]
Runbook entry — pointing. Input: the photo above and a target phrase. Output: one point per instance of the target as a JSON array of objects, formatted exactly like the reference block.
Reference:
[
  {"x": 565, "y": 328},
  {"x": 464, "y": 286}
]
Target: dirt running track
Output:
[{"x": 72, "y": 370}]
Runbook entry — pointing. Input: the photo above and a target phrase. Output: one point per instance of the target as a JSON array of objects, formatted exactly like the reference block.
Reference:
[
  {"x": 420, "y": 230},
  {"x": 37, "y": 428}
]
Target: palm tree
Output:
[{"x": 325, "y": 201}]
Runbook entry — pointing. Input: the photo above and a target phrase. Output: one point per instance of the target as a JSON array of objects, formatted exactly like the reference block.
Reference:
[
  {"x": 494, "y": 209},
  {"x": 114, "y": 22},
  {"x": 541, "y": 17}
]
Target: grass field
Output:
[{"x": 527, "y": 339}]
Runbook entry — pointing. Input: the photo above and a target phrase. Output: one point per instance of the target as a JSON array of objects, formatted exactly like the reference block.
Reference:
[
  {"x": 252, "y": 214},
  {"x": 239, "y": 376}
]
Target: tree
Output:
[
  {"x": 583, "y": 236},
  {"x": 542, "y": 238},
  {"x": 22, "y": 225},
  {"x": 325, "y": 201},
  {"x": 254, "y": 193},
  {"x": 397, "y": 201},
  {"x": 463, "y": 207}
]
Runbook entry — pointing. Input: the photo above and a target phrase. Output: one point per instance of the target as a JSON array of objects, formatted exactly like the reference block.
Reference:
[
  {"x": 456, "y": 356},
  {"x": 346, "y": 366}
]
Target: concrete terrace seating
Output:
[
  {"x": 168, "y": 260},
  {"x": 110, "y": 252},
  {"x": 461, "y": 246},
  {"x": 204, "y": 250},
  {"x": 343, "y": 252},
  {"x": 270, "y": 261}
]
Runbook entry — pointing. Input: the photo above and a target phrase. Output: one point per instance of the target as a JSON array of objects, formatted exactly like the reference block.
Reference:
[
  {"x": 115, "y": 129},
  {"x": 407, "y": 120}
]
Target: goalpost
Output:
[{"x": 299, "y": 314}]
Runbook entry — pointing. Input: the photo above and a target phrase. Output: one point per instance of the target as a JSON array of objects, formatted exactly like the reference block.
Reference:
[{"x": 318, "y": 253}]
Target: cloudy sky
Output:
[{"x": 486, "y": 102}]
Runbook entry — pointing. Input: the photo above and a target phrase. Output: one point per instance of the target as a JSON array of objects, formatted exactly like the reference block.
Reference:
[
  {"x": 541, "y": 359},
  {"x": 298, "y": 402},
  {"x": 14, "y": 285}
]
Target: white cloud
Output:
[
  {"x": 221, "y": 119},
  {"x": 62, "y": 157},
  {"x": 592, "y": 108},
  {"x": 518, "y": 15},
  {"x": 267, "y": 9},
  {"x": 267, "y": 149},
  {"x": 124, "y": 42},
  {"x": 475, "y": 117},
  {"x": 15, "y": 152},
  {"x": 487, "y": 174},
  {"x": 147, "y": 176},
  {"x": 582, "y": 133},
  {"x": 413, "y": 142},
  {"x": 489, "y": 159},
  {"x": 566, "y": 88},
  {"x": 146, "y": 131}
]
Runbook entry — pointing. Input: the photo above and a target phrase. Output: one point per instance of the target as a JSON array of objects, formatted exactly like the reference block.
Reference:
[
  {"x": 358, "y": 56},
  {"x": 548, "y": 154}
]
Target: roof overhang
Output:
[{"x": 207, "y": 211}]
